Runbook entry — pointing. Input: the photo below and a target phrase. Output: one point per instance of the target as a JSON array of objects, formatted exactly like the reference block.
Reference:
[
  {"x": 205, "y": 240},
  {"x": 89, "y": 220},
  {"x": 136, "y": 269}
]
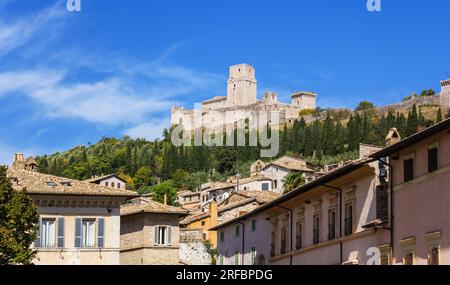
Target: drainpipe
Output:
[
  {"x": 391, "y": 182},
  {"x": 291, "y": 216},
  {"x": 340, "y": 219},
  {"x": 243, "y": 242}
]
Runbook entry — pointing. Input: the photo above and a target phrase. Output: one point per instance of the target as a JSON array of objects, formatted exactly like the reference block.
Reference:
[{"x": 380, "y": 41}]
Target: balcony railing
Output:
[
  {"x": 348, "y": 228},
  {"x": 283, "y": 247},
  {"x": 316, "y": 237},
  {"x": 298, "y": 243},
  {"x": 272, "y": 250},
  {"x": 331, "y": 232}
]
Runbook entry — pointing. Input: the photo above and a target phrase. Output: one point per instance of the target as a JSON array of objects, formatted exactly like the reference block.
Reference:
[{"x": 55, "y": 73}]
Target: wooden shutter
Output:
[
  {"x": 382, "y": 202},
  {"x": 60, "y": 232},
  {"x": 100, "y": 232},
  {"x": 78, "y": 222},
  {"x": 37, "y": 242},
  {"x": 169, "y": 235},
  {"x": 156, "y": 239}
]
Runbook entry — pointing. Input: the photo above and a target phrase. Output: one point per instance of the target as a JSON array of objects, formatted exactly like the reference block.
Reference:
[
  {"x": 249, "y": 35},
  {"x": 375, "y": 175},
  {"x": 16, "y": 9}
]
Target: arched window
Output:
[{"x": 112, "y": 184}]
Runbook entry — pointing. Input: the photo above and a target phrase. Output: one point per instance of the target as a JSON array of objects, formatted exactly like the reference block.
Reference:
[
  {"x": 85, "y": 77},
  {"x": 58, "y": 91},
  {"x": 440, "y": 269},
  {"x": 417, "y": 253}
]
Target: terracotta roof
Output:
[
  {"x": 291, "y": 163},
  {"x": 150, "y": 206},
  {"x": 187, "y": 193},
  {"x": 39, "y": 183},
  {"x": 95, "y": 179},
  {"x": 220, "y": 185},
  {"x": 236, "y": 199},
  {"x": 409, "y": 141},
  {"x": 330, "y": 176},
  {"x": 249, "y": 179}
]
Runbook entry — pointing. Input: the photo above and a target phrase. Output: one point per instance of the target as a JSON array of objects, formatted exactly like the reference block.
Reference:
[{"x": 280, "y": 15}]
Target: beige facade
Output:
[
  {"x": 79, "y": 222},
  {"x": 445, "y": 93}
]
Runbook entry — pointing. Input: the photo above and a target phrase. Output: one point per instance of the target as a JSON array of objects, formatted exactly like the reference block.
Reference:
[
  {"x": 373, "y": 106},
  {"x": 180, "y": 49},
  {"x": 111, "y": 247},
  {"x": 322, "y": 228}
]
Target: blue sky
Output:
[{"x": 117, "y": 67}]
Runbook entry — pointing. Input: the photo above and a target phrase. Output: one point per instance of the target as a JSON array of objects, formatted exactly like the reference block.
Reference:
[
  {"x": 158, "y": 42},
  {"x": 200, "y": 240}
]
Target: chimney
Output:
[
  {"x": 165, "y": 199},
  {"x": 19, "y": 161},
  {"x": 214, "y": 213},
  {"x": 393, "y": 137}
]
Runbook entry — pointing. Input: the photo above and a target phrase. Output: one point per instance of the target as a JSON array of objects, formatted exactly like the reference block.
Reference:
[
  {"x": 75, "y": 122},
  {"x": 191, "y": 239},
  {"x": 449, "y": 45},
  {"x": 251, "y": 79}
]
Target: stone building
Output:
[
  {"x": 79, "y": 222},
  {"x": 445, "y": 93},
  {"x": 111, "y": 180},
  {"x": 149, "y": 233},
  {"x": 241, "y": 103}
]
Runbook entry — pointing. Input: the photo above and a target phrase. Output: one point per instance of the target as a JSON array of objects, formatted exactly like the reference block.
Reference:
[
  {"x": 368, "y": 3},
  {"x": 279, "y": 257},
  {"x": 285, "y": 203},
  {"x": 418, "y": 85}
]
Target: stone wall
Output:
[{"x": 192, "y": 248}]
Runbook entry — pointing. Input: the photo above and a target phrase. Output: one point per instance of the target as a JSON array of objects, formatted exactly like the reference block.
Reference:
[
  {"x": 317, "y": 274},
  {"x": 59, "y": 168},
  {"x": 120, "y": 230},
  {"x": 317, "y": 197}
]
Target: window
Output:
[
  {"x": 112, "y": 184},
  {"x": 222, "y": 236},
  {"x": 265, "y": 187},
  {"x": 118, "y": 185},
  {"x": 221, "y": 260},
  {"x": 299, "y": 234},
  {"x": 253, "y": 256},
  {"x": 283, "y": 241},
  {"x": 272, "y": 244},
  {"x": 253, "y": 225},
  {"x": 348, "y": 230},
  {"x": 163, "y": 235},
  {"x": 237, "y": 257},
  {"x": 408, "y": 258},
  {"x": 106, "y": 184},
  {"x": 433, "y": 256},
  {"x": 408, "y": 170},
  {"x": 331, "y": 224},
  {"x": 432, "y": 159},
  {"x": 382, "y": 202},
  {"x": 275, "y": 184},
  {"x": 237, "y": 231},
  {"x": 203, "y": 223},
  {"x": 316, "y": 229},
  {"x": 48, "y": 233},
  {"x": 88, "y": 233}
]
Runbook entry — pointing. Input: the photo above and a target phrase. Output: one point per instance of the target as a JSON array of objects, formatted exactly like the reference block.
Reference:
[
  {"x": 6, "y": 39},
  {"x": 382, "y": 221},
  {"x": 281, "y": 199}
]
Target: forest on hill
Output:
[{"x": 159, "y": 165}]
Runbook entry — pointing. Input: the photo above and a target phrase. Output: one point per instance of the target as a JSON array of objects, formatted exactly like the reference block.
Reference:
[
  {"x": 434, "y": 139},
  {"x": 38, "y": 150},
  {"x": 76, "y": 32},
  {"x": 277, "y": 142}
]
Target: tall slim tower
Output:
[
  {"x": 241, "y": 85},
  {"x": 445, "y": 93}
]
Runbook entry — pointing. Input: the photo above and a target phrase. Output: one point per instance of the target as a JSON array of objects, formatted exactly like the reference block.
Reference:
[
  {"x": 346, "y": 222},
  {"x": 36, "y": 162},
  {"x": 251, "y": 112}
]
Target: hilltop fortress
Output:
[{"x": 241, "y": 103}]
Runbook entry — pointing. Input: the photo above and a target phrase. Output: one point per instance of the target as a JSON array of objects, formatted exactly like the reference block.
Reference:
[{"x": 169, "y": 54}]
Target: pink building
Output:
[{"x": 421, "y": 196}]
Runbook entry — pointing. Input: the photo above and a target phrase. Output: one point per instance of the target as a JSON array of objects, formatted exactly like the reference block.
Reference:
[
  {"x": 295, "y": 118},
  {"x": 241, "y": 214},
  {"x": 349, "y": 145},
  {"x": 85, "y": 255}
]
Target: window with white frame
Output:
[
  {"x": 237, "y": 257},
  {"x": 163, "y": 235},
  {"x": 253, "y": 256},
  {"x": 48, "y": 233},
  {"x": 88, "y": 233}
]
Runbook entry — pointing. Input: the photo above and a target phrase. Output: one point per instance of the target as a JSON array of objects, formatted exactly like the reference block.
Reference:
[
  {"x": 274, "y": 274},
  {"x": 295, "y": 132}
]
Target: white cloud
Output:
[
  {"x": 16, "y": 34},
  {"x": 150, "y": 130}
]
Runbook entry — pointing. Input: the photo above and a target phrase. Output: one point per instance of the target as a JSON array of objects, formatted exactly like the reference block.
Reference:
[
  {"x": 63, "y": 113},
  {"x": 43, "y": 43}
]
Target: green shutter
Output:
[
  {"x": 37, "y": 242},
  {"x": 101, "y": 232},
  {"x": 60, "y": 232},
  {"x": 156, "y": 239},
  {"x": 169, "y": 235},
  {"x": 78, "y": 222}
]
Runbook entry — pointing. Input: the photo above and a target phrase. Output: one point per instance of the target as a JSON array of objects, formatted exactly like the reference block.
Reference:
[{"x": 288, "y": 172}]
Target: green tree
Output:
[
  {"x": 292, "y": 181},
  {"x": 365, "y": 105},
  {"x": 412, "y": 122},
  {"x": 164, "y": 189},
  {"x": 143, "y": 178},
  {"x": 18, "y": 223},
  {"x": 439, "y": 116},
  {"x": 179, "y": 178}
]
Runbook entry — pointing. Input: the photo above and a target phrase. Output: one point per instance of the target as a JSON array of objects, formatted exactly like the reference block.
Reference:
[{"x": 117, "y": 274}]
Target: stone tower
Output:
[
  {"x": 445, "y": 93},
  {"x": 304, "y": 100},
  {"x": 241, "y": 85}
]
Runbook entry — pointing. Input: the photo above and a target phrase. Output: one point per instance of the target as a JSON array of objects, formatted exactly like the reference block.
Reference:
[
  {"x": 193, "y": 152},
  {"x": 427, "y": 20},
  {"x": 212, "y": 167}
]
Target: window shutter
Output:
[
  {"x": 169, "y": 235},
  {"x": 78, "y": 232},
  {"x": 101, "y": 233},
  {"x": 60, "y": 232},
  {"x": 37, "y": 242},
  {"x": 156, "y": 239}
]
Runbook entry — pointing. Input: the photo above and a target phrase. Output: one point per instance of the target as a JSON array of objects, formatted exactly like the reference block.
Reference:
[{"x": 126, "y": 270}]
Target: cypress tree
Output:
[{"x": 439, "y": 116}]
